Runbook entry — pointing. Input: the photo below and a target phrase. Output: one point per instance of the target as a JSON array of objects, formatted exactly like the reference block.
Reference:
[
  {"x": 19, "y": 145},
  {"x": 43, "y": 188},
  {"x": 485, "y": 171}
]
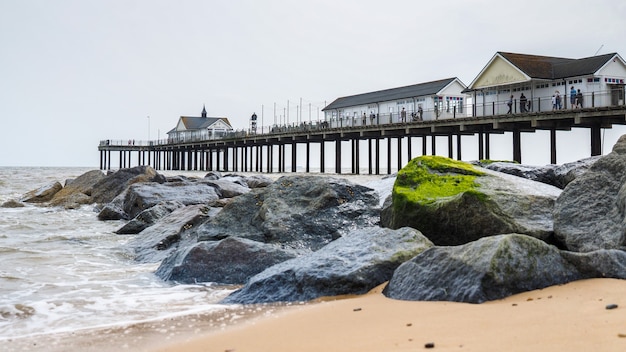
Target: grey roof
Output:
[
  {"x": 198, "y": 123},
  {"x": 416, "y": 90}
]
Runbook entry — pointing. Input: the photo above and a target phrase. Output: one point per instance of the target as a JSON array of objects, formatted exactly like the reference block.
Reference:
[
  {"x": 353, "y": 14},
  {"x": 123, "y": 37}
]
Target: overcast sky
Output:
[{"x": 73, "y": 73}]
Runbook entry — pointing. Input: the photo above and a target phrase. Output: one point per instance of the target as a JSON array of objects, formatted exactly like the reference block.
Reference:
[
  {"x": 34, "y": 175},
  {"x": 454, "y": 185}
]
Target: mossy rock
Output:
[{"x": 452, "y": 202}]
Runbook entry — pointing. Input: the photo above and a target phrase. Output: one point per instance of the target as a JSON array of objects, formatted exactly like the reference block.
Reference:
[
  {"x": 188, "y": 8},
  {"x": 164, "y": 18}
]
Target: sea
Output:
[{"x": 64, "y": 271}]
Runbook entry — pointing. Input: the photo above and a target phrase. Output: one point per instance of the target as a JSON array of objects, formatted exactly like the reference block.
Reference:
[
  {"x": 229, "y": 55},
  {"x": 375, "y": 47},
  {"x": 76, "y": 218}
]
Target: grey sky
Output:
[{"x": 75, "y": 72}]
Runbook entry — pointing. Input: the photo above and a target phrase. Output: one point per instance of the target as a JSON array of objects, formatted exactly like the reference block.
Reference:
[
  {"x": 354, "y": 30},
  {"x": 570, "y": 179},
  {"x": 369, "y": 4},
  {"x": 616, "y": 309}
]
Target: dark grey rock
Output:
[
  {"x": 589, "y": 214},
  {"x": 229, "y": 261},
  {"x": 488, "y": 269},
  {"x": 258, "y": 181},
  {"x": 353, "y": 264},
  {"x": 148, "y": 217},
  {"x": 142, "y": 196},
  {"x": 603, "y": 263},
  {"x": 42, "y": 194},
  {"x": 115, "y": 183},
  {"x": 299, "y": 212},
  {"x": 555, "y": 175},
  {"x": 227, "y": 188},
  {"x": 157, "y": 241},
  {"x": 213, "y": 175}
]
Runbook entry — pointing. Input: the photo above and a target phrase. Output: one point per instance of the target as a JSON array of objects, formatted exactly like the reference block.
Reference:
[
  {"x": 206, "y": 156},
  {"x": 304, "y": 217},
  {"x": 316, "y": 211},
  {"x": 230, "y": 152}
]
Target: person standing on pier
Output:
[
  {"x": 403, "y": 115},
  {"x": 510, "y": 104},
  {"x": 522, "y": 103},
  {"x": 579, "y": 99},
  {"x": 572, "y": 97},
  {"x": 558, "y": 100}
]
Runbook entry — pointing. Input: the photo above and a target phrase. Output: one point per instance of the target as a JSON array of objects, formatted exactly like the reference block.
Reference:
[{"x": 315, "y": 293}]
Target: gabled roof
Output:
[
  {"x": 193, "y": 123},
  {"x": 548, "y": 67},
  {"x": 556, "y": 67},
  {"x": 416, "y": 90}
]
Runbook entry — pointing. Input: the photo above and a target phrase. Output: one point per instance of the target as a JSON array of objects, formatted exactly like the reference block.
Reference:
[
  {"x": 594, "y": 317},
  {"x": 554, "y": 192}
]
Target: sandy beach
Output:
[{"x": 571, "y": 317}]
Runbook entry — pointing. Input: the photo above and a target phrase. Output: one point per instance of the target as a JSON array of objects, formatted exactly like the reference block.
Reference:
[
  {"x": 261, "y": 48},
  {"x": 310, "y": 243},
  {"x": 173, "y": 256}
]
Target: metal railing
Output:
[{"x": 492, "y": 108}]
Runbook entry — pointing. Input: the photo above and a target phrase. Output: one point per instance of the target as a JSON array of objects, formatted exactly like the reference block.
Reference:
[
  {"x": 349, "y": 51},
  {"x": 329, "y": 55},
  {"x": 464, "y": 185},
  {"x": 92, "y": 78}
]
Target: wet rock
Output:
[
  {"x": 156, "y": 242},
  {"x": 115, "y": 183},
  {"x": 487, "y": 269},
  {"x": 78, "y": 191},
  {"x": 352, "y": 264},
  {"x": 453, "y": 202},
  {"x": 148, "y": 217},
  {"x": 589, "y": 214},
  {"x": 12, "y": 204},
  {"x": 42, "y": 194},
  {"x": 299, "y": 212},
  {"x": 229, "y": 261},
  {"x": 258, "y": 181}
]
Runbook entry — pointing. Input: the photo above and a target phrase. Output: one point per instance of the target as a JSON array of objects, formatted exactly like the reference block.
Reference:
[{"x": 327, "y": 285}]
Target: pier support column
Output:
[
  {"x": 357, "y": 155},
  {"x": 270, "y": 158},
  {"x": 487, "y": 146},
  {"x": 308, "y": 157},
  {"x": 481, "y": 153},
  {"x": 294, "y": 156},
  {"x": 450, "y": 147},
  {"x": 552, "y": 146},
  {"x": 424, "y": 145},
  {"x": 370, "y": 168},
  {"x": 458, "y": 147},
  {"x": 517, "y": 146},
  {"x": 338, "y": 156},
  {"x": 388, "y": 155},
  {"x": 596, "y": 140},
  {"x": 322, "y": 154},
  {"x": 377, "y": 141},
  {"x": 399, "y": 153},
  {"x": 409, "y": 151}
]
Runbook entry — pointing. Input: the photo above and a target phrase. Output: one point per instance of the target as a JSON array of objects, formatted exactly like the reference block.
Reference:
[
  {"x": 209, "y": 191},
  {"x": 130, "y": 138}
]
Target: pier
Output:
[{"x": 279, "y": 149}]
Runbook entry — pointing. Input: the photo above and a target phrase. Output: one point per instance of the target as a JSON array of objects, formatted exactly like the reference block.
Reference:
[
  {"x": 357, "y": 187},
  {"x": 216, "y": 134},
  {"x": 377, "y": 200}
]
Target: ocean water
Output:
[{"x": 64, "y": 270}]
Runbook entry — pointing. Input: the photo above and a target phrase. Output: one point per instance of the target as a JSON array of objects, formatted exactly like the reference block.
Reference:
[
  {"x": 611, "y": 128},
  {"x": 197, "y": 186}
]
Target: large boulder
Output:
[
  {"x": 142, "y": 196},
  {"x": 352, "y": 264},
  {"x": 115, "y": 183},
  {"x": 555, "y": 175},
  {"x": 603, "y": 263},
  {"x": 589, "y": 214},
  {"x": 298, "y": 212},
  {"x": 229, "y": 261},
  {"x": 42, "y": 194},
  {"x": 148, "y": 217},
  {"x": 78, "y": 191},
  {"x": 227, "y": 187},
  {"x": 488, "y": 269},
  {"x": 155, "y": 243},
  {"x": 452, "y": 202}
]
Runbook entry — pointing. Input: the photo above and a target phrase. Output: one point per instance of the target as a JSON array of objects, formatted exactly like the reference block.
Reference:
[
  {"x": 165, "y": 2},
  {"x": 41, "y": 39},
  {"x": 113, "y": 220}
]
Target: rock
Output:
[
  {"x": 258, "y": 181},
  {"x": 148, "y": 217},
  {"x": 213, "y": 175},
  {"x": 156, "y": 242},
  {"x": 229, "y": 261},
  {"x": 12, "y": 204},
  {"x": 603, "y": 263},
  {"x": 555, "y": 175},
  {"x": 452, "y": 202},
  {"x": 142, "y": 196},
  {"x": 298, "y": 212},
  {"x": 226, "y": 188},
  {"x": 115, "y": 183},
  {"x": 78, "y": 191},
  {"x": 352, "y": 264},
  {"x": 42, "y": 194},
  {"x": 589, "y": 214},
  {"x": 488, "y": 269}
]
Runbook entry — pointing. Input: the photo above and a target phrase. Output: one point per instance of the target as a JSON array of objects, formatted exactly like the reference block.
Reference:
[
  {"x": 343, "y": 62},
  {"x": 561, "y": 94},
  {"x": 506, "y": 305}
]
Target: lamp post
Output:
[{"x": 148, "y": 129}]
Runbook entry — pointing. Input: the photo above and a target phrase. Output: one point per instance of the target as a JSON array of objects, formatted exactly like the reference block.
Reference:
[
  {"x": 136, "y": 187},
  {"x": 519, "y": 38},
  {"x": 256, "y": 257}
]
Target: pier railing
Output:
[{"x": 495, "y": 107}]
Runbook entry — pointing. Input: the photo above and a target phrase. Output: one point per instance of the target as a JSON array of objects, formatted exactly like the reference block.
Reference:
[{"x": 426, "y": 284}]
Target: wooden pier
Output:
[{"x": 256, "y": 152}]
